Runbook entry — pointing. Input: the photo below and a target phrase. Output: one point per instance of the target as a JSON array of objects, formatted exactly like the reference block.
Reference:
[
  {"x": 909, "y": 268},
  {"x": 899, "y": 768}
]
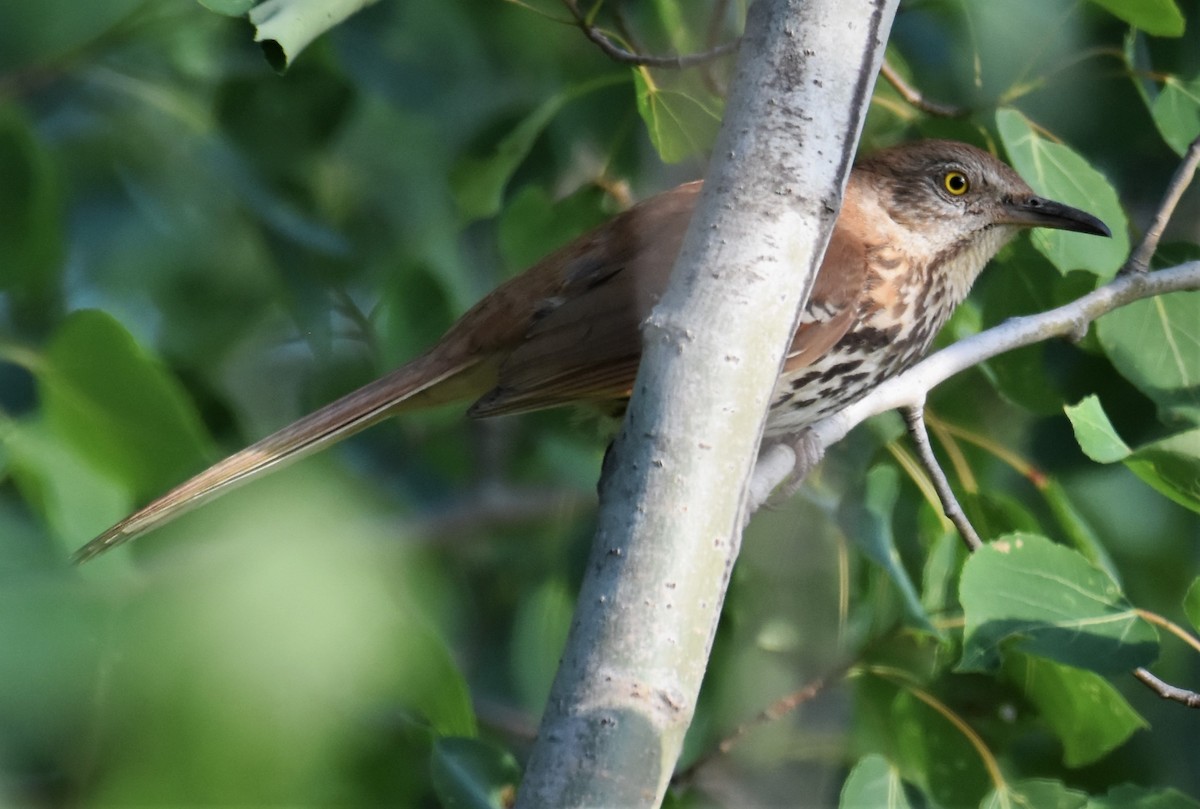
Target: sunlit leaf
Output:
[
  {"x": 875, "y": 784},
  {"x": 473, "y": 774},
  {"x": 682, "y": 121},
  {"x": 1089, "y": 715},
  {"x": 286, "y": 27},
  {"x": 1058, "y": 172},
  {"x": 1026, "y": 593},
  {"x": 1096, "y": 436},
  {"x": 1176, "y": 112},
  {"x": 1160, "y": 18},
  {"x": 1040, "y": 792}
]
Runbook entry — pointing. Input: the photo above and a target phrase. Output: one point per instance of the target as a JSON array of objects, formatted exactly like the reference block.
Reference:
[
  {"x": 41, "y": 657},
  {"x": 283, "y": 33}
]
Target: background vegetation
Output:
[{"x": 195, "y": 250}]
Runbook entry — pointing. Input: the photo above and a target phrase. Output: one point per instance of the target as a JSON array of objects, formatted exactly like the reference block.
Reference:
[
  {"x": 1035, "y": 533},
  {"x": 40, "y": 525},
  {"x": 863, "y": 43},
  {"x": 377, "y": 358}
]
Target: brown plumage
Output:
[{"x": 917, "y": 225}]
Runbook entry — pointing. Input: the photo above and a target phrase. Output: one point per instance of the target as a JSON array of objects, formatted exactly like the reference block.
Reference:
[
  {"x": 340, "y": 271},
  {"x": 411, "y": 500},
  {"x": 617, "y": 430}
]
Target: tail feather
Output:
[{"x": 425, "y": 381}]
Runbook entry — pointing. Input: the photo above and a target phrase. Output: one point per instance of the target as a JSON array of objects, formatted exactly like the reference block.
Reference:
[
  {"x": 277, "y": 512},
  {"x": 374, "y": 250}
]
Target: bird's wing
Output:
[
  {"x": 584, "y": 343},
  {"x": 833, "y": 304}
]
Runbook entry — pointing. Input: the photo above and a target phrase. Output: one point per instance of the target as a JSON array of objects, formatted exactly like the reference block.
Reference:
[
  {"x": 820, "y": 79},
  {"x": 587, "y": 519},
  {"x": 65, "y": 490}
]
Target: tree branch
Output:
[
  {"x": 672, "y": 500},
  {"x": 618, "y": 54},
  {"x": 1139, "y": 259},
  {"x": 916, "y": 98}
]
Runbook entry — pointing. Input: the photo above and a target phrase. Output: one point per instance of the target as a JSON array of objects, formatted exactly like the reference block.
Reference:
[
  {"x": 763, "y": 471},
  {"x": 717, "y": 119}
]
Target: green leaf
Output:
[
  {"x": 874, "y": 784},
  {"x": 533, "y": 223},
  {"x": 1176, "y": 112},
  {"x": 472, "y": 774},
  {"x": 1160, "y": 18},
  {"x": 1155, "y": 344},
  {"x": 931, "y": 749},
  {"x": 479, "y": 182},
  {"x": 1096, "y": 436},
  {"x": 870, "y": 523},
  {"x": 230, "y": 8},
  {"x": 1191, "y": 604},
  {"x": 1025, "y": 593},
  {"x": 1058, "y": 172},
  {"x": 1172, "y": 467},
  {"x": 1035, "y": 792},
  {"x": 71, "y": 493},
  {"x": 286, "y": 27},
  {"x": 1128, "y": 796},
  {"x": 682, "y": 118},
  {"x": 539, "y": 635},
  {"x": 116, "y": 406},
  {"x": 1077, "y": 528},
  {"x": 1084, "y": 710},
  {"x": 31, "y": 239}
]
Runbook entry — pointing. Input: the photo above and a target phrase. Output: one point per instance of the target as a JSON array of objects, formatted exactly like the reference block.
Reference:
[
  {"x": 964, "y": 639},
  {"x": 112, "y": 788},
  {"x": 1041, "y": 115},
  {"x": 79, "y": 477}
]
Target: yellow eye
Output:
[{"x": 956, "y": 183}]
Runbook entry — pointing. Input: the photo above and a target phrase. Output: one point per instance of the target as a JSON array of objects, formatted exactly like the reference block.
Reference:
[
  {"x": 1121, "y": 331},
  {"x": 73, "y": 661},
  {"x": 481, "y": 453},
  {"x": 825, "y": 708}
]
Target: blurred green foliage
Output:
[{"x": 195, "y": 250}]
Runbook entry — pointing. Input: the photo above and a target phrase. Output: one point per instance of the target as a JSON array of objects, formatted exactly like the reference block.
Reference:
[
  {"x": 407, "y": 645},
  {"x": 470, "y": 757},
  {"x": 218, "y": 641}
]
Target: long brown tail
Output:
[{"x": 428, "y": 380}]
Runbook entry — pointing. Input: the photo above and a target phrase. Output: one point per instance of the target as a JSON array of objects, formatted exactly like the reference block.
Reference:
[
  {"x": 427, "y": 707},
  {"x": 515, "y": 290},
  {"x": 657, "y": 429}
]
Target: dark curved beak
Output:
[{"x": 1037, "y": 212}]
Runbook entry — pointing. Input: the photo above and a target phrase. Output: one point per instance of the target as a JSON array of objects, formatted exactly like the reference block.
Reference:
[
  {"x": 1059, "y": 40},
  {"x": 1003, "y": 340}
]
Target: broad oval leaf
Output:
[
  {"x": 1176, "y": 112},
  {"x": 1085, "y": 711},
  {"x": 874, "y": 784},
  {"x": 1160, "y": 18},
  {"x": 1058, "y": 172},
  {"x": 1024, "y": 592},
  {"x": 1155, "y": 344},
  {"x": 1172, "y": 467},
  {"x": 1040, "y": 792},
  {"x": 1096, "y": 436},
  {"x": 117, "y": 406},
  {"x": 682, "y": 120}
]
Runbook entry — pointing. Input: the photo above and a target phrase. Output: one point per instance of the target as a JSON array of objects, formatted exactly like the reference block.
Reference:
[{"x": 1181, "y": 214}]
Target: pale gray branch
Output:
[{"x": 672, "y": 500}]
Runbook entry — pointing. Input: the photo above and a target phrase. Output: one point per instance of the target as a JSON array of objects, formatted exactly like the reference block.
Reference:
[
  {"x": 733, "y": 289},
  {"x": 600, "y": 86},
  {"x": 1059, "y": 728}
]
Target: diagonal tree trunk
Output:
[{"x": 673, "y": 494}]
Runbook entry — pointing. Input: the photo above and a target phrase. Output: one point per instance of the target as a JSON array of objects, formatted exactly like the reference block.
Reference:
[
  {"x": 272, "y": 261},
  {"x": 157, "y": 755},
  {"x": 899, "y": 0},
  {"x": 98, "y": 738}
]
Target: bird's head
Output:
[{"x": 962, "y": 202}]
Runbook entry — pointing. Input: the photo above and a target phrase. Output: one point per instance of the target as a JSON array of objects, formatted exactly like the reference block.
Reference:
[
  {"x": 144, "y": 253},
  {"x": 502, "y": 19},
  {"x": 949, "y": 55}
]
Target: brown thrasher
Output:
[{"x": 918, "y": 223}]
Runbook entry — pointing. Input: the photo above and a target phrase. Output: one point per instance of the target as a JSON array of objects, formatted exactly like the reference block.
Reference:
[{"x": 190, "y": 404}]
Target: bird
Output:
[{"x": 918, "y": 223}]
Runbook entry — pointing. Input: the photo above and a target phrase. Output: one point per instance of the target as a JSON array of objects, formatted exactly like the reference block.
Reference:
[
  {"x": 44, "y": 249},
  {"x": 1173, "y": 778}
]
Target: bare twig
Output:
[
  {"x": 1139, "y": 259},
  {"x": 914, "y": 417},
  {"x": 618, "y": 54},
  {"x": 1167, "y": 691},
  {"x": 916, "y": 98},
  {"x": 772, "y": 713}
]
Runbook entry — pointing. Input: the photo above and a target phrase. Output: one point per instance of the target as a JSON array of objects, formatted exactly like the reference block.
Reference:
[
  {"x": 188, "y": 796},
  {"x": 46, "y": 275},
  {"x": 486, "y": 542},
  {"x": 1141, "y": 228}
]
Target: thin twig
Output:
[
  {"x": 1167, "y": 691},
  {"x": 1139, "y": 259},
  {"x": 619, "y": 54},
  {"x": 914, "y": 417},
  {"x": 772, "y": 713},
  {"x": 916, "y": 98}
]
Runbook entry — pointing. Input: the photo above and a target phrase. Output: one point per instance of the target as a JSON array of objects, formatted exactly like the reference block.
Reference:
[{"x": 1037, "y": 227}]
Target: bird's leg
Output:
[
  {"x": 914, "y": 417},
  {"x": 782, "y": 465}
]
